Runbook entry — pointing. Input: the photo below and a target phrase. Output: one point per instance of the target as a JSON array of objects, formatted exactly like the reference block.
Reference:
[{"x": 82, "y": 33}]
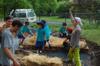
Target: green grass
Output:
[
  {"x": 52, "y": 27},
  {"x": 91, "y": 32},
  {"x": 54, "y": 19},
  {"x": 92, "y": 35}
]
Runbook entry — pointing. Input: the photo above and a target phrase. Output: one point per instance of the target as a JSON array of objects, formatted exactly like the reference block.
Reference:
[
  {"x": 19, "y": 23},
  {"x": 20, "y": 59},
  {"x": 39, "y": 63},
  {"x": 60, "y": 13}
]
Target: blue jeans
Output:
[{"x": 40, "y": 45}]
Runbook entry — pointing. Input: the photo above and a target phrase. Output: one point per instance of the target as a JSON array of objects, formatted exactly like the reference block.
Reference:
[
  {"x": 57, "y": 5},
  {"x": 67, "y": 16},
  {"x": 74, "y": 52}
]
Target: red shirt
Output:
[{"x": 69, "y": 29}]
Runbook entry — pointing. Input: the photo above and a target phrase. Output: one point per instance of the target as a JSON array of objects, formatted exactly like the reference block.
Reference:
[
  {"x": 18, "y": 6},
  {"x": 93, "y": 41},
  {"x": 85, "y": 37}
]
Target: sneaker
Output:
[{"x": 40, "y": 51}]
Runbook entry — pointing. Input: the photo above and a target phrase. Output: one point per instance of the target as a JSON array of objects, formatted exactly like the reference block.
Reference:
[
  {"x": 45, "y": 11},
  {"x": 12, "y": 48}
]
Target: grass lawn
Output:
[
  {"x": 92, "y": 35},
  {"x": 54, "y": 19}
]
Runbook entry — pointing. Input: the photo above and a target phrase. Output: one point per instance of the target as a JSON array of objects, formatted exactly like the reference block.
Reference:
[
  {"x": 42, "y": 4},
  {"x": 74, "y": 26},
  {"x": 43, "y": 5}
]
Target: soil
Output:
[
  {"x": 90, "y": 58},
  {"x": 94, "y": 53}
]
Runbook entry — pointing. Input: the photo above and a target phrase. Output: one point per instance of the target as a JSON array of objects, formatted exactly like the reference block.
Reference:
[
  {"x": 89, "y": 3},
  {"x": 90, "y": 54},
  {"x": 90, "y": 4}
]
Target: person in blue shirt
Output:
[
  {"x": 40, "y": 37},
  {"x": 63, "y": 30},
  {"x": 24, "y": 29},
  {"x": 47, "y": 32}
]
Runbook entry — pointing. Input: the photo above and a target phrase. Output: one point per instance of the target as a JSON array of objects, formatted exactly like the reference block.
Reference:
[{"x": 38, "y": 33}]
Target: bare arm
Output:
[
  {"x": 71, "y": 14},
  {"x": 6, "y": 47},
  {"x": 11, "y": 56}
]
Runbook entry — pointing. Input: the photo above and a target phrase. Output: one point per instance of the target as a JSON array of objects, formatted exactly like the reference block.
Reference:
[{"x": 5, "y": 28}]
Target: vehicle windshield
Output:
[
  {"x": 31, "y": 14},
  {"x": 21, "y": 15}
]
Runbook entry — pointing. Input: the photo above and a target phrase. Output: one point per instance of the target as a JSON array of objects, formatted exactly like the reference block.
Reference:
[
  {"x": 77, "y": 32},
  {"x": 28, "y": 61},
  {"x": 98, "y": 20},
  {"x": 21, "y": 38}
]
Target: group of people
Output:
[
  {"x": 42, "y": 34},
  {"x": 13, "y": 30}
]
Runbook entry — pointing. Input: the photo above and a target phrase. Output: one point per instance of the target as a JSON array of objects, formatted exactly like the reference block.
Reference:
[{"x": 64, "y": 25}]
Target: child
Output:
[
  {"x": 63, "y": 30},
  {"x": 24, "y": 32},
  {"x": 74, "y": 52},
  {"x": 40, "y": 37}
]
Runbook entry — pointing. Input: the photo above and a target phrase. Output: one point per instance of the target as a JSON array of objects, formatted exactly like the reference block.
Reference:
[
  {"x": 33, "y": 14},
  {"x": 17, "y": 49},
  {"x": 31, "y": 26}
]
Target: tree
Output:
[
  {"x": 23, "y": 4},
  {"x": 63, "y": 8},
  {"x": 44, "y": 7},
  {"x": 50, "y": 7},
  {"x": 8, "y": 5},
  {"x": 85, "y": 5}
]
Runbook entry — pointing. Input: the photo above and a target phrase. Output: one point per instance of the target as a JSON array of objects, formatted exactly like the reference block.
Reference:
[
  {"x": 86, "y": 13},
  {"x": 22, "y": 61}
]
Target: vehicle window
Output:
[
  {"x": 31, "y": 14},
  {"x": 21, "y": 14}
]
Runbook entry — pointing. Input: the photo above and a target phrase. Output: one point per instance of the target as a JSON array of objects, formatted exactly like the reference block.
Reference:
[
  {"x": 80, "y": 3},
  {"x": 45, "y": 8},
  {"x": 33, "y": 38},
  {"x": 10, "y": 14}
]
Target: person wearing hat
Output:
[
  {"x": 74, "y": 52},
  {"x": 63, "y": 30},
  {"x": 40, "y": 37},
  {"x": 47, "y": 32}
]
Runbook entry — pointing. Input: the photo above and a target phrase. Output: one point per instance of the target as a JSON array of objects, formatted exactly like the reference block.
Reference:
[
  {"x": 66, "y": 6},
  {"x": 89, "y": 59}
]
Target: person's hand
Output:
[{"x": 15, "y": 63}]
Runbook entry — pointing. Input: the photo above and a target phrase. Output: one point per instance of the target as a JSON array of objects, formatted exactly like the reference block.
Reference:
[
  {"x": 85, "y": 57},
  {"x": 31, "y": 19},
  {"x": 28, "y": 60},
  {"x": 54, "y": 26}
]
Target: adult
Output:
[
  {"x": 9, "y": 44},
  {"x": 8, "y": 21}
]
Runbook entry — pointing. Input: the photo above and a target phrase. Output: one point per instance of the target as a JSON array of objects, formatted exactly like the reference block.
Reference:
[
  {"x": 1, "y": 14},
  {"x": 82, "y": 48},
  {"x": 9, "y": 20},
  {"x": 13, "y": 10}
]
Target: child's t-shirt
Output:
[
  {"x": 24, "y": 29},
  {"x": 63, "y": 30}
]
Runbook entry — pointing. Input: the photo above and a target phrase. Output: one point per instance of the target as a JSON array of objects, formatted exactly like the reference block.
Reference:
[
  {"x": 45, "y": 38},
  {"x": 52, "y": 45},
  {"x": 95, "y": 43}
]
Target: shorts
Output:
[{"x": 40, "y": 44}]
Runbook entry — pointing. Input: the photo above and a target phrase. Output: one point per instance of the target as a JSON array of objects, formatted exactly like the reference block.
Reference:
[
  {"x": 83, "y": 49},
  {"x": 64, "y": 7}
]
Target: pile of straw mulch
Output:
[{"x": 39, "y": 60}]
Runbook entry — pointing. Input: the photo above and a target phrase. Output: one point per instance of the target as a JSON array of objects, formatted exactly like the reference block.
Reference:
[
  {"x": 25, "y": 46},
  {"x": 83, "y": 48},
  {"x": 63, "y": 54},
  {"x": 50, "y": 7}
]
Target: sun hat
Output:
[{"x": 78, "y": 20}]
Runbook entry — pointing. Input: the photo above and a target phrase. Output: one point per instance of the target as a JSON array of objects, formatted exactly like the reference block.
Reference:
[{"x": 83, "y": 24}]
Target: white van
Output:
[{"x": 24, "y": 15}]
